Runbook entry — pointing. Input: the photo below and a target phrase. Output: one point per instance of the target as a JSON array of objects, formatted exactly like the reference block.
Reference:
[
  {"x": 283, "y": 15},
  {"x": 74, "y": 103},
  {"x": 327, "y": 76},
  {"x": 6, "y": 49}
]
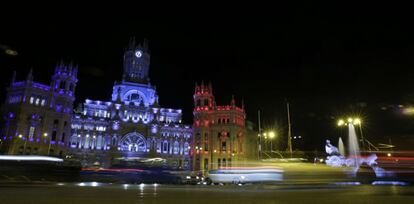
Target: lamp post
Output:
[
  {"x": 271, "y": 136},
  {"x": 24, "y": 145},
  {"x": 48, "y": 150}
]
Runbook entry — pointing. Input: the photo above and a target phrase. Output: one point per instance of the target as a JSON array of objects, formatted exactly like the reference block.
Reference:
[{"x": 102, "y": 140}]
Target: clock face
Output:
[{"x": 138, "y": 53}]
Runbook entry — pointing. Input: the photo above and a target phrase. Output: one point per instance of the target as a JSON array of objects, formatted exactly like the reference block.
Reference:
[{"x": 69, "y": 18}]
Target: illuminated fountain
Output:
[
  {"x": 354, "y": 160},
  {"x": 341, "y": 147}
]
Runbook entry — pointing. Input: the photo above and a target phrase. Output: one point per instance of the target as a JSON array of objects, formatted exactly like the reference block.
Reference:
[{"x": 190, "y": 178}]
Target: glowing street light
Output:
[
  {"x": 353, "y": 121},
  {"x": 271, "y": 135},
  {"x": 357, "y": 121}
]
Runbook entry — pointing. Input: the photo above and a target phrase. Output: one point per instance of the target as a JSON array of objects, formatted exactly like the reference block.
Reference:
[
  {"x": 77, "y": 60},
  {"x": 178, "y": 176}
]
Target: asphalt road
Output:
[{"x": 91, "y": 193}]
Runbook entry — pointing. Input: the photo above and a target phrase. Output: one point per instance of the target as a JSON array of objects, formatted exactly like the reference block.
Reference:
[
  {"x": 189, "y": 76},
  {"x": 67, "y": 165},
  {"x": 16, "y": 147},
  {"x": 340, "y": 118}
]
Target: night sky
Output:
[{"x": 326, "y": 63}]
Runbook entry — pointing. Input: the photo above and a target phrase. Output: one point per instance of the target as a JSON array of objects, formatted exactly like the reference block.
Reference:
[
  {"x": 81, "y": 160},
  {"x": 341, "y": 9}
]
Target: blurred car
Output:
[{"x": 192, "y": 179}]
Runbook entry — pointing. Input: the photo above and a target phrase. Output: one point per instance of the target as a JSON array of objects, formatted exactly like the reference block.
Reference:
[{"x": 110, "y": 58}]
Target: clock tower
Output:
[{"x": 136, "y": 62}]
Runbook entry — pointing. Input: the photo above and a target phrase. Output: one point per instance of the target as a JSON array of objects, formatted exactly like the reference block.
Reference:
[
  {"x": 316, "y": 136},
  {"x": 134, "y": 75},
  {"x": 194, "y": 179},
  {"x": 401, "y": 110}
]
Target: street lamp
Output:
[
  {"x": 24, "y": 145},
  {"x": 50, "y": 142},
  {"x": 271, "y": 136}
]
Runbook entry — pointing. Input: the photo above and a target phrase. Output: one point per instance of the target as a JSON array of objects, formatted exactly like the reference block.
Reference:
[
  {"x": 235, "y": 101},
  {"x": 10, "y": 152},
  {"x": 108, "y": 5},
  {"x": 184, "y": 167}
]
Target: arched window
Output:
[
  {"x": 165, "y": 147},
  {"x": 73, "y": 141},
  {"x": 62, "y": 85},
  {"x": 54, "y": 134},
  {"x": 186, "y": 148},
  {"x": 176, "y": 147}
]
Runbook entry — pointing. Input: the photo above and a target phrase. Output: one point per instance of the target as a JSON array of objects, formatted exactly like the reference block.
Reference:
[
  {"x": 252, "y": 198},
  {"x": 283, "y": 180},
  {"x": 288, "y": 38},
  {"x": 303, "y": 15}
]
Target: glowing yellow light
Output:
[
  {"x": 357, "y": 121},
  {"x": 271, "y": 135},
  {"x": 265, "y": 134},
  {"x": 408, "y": 111},
  {"x": 11, "y": 52},
  {"x": 341, "y": 122},
  {"x": 350, "y": 120},
  {"x": 45, "y": 134},
  {"x": 215, "y": 151},
  {"x": 389, "y": 154},
  {"x": 20, "y": 136}
]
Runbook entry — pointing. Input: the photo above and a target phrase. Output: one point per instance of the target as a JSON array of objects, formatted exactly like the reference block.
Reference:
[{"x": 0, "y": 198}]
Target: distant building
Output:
[
  {"x": 220, "y": 138},
  {"x": 131, "y": 123},
  {"x": 36, "y": 117}
]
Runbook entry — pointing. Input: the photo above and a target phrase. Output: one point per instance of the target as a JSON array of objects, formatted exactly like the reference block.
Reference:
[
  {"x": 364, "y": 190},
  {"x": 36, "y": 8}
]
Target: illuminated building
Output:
[
  {"x": 131, "y": 124},
  {"x": 36, "y": 117},
  {"x": 220, "y": 136}
]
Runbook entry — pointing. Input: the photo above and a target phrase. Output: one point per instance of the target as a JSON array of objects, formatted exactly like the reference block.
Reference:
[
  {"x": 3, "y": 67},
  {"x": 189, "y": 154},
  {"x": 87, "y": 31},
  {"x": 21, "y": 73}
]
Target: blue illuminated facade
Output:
[
  {"x": 131, "y": 124},
  {"x": 36, "y": 117}
]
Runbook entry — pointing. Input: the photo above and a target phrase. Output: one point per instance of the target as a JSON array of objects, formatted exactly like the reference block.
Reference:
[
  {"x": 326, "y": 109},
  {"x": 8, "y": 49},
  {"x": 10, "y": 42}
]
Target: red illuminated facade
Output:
[{"x": 220, "y": 138}]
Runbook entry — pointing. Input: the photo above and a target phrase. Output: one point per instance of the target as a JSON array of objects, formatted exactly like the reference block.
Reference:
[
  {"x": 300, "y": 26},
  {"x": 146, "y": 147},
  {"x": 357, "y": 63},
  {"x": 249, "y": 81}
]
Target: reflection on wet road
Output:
[{"x": 154, "y": 193}]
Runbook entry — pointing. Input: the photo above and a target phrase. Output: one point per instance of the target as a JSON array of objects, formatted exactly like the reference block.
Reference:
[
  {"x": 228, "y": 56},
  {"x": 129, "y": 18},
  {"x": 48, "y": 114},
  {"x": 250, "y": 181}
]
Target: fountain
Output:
[
  {"x": 354, "y": 160},
  {"x": 341, "y": 147}
]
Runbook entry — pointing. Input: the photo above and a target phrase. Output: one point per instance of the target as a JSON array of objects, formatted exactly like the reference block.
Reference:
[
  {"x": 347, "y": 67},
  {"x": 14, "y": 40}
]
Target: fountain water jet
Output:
[
  {"x": 341, "y": 147},
  {"x": 353, "y": 147}
]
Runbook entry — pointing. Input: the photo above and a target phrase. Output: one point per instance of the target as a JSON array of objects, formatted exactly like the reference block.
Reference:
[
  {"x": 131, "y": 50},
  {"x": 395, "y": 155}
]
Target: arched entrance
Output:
[{"x": 133, "y": 142}]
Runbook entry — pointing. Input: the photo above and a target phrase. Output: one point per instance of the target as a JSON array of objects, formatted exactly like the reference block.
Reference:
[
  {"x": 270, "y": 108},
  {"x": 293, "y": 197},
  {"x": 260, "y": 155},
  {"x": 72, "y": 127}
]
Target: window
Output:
[
  {"x": 223, "y": 146},
  {"x": 43, "y": 102},
  {"x": 228, "y": 120},
  {"x": 186, "y": 148},
  {"x": 176, "y": 147},
  {"x": 229, "y": 162},
  {"x": 62, "y": 85},
  {"x": 73, "y": 141},
  {"x": 63, "y": 137},
  {"x": 37, "y": 101},
  {"x": 54, "y": 133},
  {"x": 224, "y": 163},
  {"x": 165, "y": 146},
  {"x": 205, "y": 164},
  {"x": 31, "y": 132},
  {"x": 219, "y": 163},
  {"x": 31, "y": 100},
  {"x": 55, "y": 123},
  {"x": 205, "y": 102},
  {"x": 219, "y": 121},
  {"x": 198, "y": 103}
]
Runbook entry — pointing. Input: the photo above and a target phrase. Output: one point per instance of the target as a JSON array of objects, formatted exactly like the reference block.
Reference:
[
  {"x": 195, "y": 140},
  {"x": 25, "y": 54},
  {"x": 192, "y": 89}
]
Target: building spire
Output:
[
  {"x": 233, "y": 102},
  {"x": 118, "y": 95},
  {"x": 242, "y": 105}
]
